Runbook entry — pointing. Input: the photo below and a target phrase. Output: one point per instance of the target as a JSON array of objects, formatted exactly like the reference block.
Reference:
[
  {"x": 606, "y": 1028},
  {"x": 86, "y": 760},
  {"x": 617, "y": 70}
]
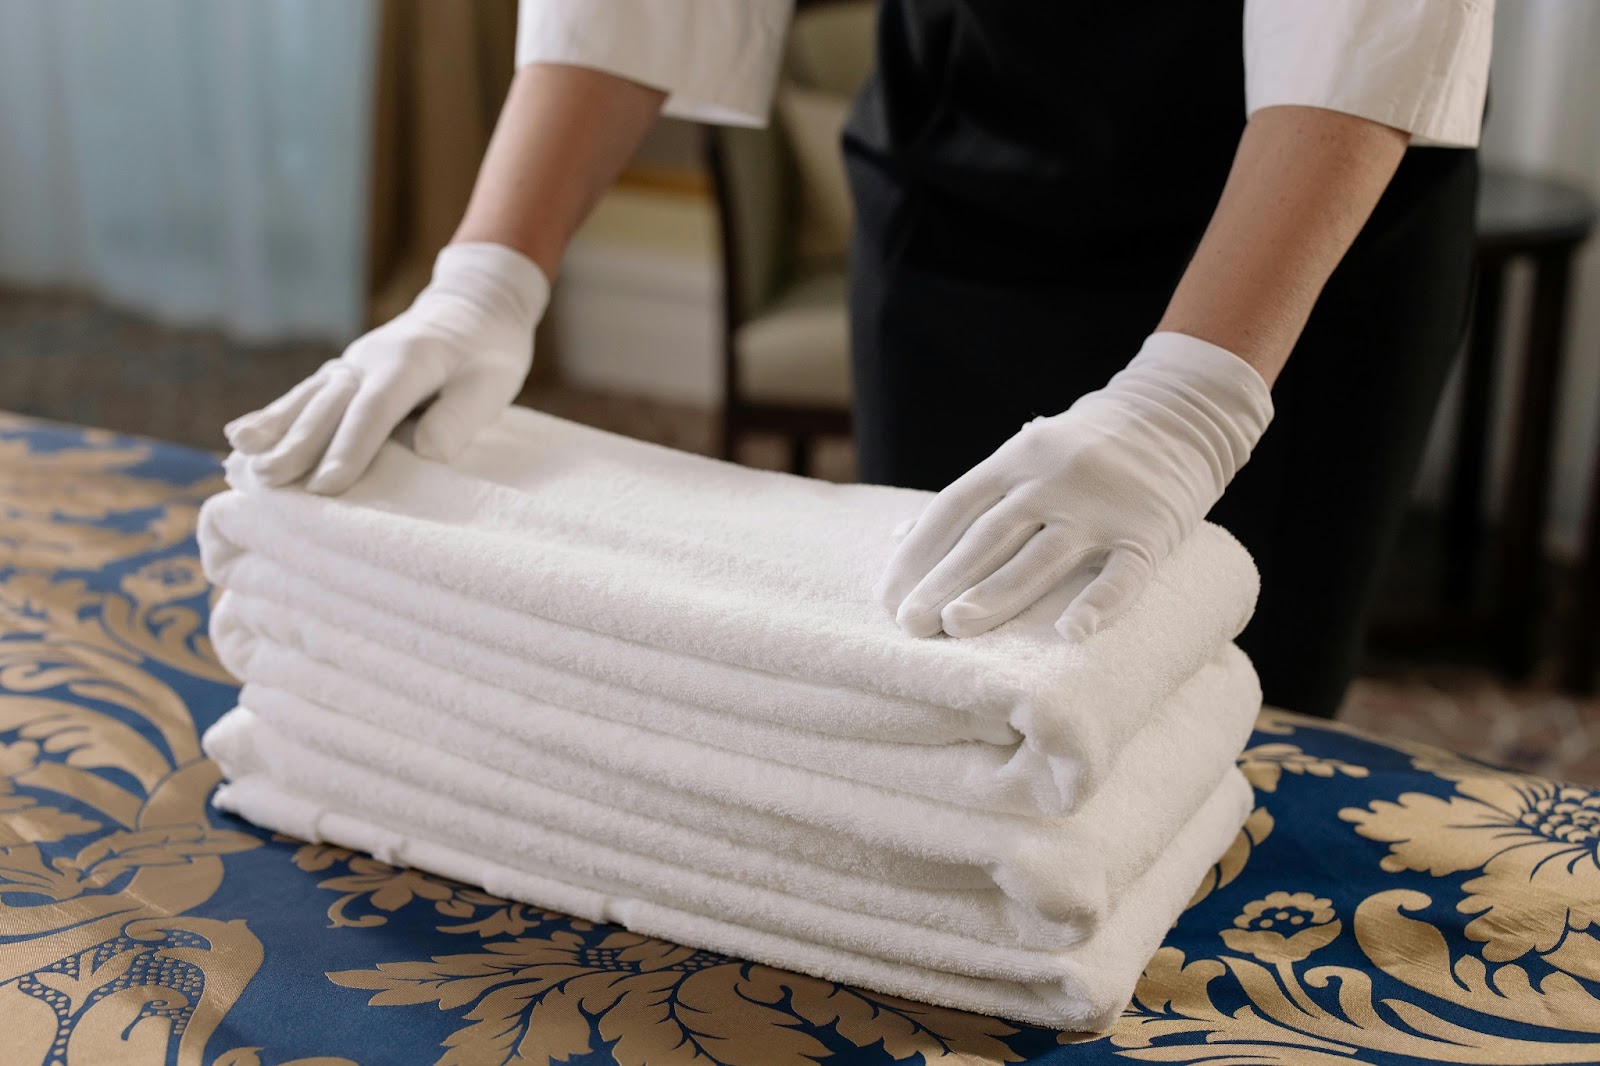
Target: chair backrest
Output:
[
  {"x": 831, "y": 44},
  {"x": 753, "y": 181},
  {"x": 753, "y": 171}
]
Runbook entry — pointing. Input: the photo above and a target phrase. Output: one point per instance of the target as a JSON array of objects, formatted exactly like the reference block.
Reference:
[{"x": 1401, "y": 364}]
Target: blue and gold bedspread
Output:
[{"x": 1385, "y": 904}]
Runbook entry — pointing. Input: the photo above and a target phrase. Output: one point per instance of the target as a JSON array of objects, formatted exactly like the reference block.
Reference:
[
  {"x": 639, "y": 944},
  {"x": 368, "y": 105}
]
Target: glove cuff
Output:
[
  {"x": 486, "y": 270},
  {"x": 1227, "y": 401},
  {"x": 1213, "y": 372}
]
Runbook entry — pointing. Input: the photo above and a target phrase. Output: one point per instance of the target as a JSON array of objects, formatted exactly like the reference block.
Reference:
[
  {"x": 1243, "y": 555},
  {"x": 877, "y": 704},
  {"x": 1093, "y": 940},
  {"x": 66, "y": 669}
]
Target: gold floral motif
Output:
[
  {"x": 1534, "y": 846},
  {"x": 1509, "y": 829},
  {"x": 1265, "y": 764},
  {"x": 131, "y": 629},
  {"x": 157, "y": 831},
  {"x": 506, "y": 918},
  {"x": 27, "y": 821},
  {"x": 164, "y": 580},
  {"x": 54, "y": 507},
  {"x": 1293, "y": 1021},
  {"x": 545, "y": 999},
  {"x": 251, "y": 1056},
  {"x": 388, "y": 888},
  {"x": 104, "y": 836},
  {"x": 904, "y": 1028},
  {"x": 1255, "y": 831},
  {"x": 160, "y": 983},
  {"x": 1283, "y": 927}
]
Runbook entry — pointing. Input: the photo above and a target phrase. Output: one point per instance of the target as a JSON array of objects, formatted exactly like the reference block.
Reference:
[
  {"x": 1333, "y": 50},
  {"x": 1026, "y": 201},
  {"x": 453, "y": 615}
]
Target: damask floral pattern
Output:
[
  {"x": 105, "y": 844},
  {"x": 1385, "y": 903},
  {"x": 1304, "y": 924},
  {"x": 1533, "y": 850}
]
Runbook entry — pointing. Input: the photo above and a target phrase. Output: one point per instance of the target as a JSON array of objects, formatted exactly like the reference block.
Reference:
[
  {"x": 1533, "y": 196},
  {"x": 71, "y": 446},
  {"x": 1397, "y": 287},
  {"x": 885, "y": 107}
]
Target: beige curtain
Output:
[{"x": 443, "y": 69}]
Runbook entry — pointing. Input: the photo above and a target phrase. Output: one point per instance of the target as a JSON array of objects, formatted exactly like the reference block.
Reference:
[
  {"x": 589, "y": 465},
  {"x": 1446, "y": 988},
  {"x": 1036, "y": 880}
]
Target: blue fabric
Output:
[{"x": 1386, "y": 903}]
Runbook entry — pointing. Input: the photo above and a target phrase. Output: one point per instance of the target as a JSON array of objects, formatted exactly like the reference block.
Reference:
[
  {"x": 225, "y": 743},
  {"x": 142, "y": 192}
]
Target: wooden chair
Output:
[{"x": 786, "y": 337}]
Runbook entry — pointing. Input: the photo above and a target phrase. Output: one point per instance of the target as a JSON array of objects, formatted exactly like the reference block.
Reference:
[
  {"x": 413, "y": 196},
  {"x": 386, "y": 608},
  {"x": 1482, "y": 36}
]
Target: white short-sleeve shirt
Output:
[{"x": 1418, "y": 65}]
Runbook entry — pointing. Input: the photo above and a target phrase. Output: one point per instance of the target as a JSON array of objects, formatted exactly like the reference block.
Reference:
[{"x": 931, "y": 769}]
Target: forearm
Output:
[
  {"x": 1303, "y": 183},
  {"x": 564, "y": 134}
]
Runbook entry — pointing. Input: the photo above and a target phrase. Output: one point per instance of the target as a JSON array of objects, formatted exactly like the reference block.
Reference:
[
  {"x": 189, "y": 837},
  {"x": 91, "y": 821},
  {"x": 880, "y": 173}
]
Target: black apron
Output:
[{"x": 1030, "y": 180}]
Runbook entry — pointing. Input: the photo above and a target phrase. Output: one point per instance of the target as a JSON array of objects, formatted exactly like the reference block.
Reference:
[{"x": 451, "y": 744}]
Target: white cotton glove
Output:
[
  {"x": 466, "y": 342},
  {"x": 1116, "y": 482}
]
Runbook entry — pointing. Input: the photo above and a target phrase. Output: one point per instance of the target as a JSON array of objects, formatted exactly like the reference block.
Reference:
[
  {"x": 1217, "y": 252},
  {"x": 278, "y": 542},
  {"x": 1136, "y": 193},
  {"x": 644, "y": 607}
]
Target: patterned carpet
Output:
[{"x": 67, "y": 358}]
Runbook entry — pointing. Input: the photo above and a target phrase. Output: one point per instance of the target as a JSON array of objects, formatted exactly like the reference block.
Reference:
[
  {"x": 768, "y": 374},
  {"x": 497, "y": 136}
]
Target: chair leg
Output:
[{"x": 799, "y": 455}]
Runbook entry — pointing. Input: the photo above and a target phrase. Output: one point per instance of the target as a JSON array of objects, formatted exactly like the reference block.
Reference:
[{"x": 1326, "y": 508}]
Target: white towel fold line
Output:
[
  {"x": 264, "y": 598},
  {"x": 1016, "y": 778},
  {"x": 745, "y": 846},
  {"x": 1166, "y": 773},
  {"x": 1062, "y": 1005},
  {"x": 716, "y": 562},
  {"x": 840, "y": 848},
  {"x": 1082, "y": 987},
  {"x": 241, "y": 541},
  {"x": 972, "y": 921}
]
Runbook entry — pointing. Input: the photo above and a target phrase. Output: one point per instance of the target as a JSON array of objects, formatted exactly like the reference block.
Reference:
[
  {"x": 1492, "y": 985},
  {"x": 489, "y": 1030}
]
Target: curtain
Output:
[
  {"x": 201, "y": 161},
  {"x": 443, "y": 71}
]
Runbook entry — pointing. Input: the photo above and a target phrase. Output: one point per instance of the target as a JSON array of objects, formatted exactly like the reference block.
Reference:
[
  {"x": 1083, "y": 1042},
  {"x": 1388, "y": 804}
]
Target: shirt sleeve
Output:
[
  {"x": 716, "y": 59},
  {"x": 1417, "y": 65}
]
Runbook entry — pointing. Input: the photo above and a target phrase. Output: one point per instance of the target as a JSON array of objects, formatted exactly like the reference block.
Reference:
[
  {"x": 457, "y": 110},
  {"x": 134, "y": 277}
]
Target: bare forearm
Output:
[
  {"x": 562, "y": 137},
  {"x": 1303, "y": 183}
]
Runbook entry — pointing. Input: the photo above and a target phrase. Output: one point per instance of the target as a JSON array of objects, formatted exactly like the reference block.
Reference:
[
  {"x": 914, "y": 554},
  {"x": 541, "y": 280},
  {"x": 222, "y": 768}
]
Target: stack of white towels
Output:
[{"x": 644, "y": 687}]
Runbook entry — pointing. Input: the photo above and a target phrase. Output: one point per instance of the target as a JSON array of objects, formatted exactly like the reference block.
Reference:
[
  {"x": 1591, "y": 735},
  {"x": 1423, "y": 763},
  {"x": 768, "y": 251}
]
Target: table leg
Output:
[
  {"x": 1580, "y": 664},
  {"x": 1528, "y": 489}
]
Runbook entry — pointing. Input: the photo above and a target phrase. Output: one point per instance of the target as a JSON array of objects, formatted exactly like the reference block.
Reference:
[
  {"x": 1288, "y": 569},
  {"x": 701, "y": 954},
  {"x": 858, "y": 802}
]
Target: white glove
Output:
[
  {"x": 466, "y": 342},
  {"x": 1116, "y": 482}
]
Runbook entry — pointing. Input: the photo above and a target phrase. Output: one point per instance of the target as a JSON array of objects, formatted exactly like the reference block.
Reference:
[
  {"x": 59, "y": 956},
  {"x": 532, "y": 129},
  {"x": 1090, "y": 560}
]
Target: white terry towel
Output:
[
  {"x": 1048, "y": 878},
  {"x": 263, "y": 598},
  {"x": 731, "y": 590},
  {"x": 959, "y": 922},
  {"x": 293, "y": 788}
]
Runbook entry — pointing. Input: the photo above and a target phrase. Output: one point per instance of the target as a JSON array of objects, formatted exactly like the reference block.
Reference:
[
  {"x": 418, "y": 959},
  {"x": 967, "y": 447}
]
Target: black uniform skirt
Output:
[{"x": 967, "y": 322}]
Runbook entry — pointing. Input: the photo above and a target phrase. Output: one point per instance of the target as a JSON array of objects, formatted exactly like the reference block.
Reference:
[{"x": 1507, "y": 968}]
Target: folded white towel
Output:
[
  {"x": 646, "y": 687},
  {"x": 958, "y": 924},
  {"x": 1048, "y": 879},
  {"x": 264, "y": 598},
  {"x": 730, "y": 590},
  {"x": 283, "y": 785}
]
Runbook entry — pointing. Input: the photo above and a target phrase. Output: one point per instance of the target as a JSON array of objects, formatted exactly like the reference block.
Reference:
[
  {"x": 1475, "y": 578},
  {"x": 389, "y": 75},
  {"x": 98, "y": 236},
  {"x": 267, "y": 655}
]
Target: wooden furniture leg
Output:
[
  {"x": 1581, "y": 661},
  {"x": 1528, "y": 490}
]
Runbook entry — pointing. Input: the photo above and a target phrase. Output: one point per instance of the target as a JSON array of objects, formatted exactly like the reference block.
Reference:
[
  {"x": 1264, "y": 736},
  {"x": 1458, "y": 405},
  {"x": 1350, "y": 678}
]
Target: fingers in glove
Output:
[
  {"x": 936, "y": 532},
  {"x": 305, "y": 440},
  {"x": 463, "y": 408},
  {"x": 381, "y": 404},
  {"x": 1113, "y": 591},
  {"x": 1039, "y": 566},
  {"x": 988, "y": 544},
  {"x": 260, "y": 431}
]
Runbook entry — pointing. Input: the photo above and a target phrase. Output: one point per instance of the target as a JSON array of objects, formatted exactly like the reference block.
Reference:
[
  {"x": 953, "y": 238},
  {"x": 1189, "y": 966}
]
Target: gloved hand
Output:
[
  {"x": 466, "y": 340},
  {"x": 1117, "y": 481}
]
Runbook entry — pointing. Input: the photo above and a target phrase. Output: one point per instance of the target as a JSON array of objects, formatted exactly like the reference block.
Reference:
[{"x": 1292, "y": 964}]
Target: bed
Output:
[{"x": 1384, "y": 904}]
